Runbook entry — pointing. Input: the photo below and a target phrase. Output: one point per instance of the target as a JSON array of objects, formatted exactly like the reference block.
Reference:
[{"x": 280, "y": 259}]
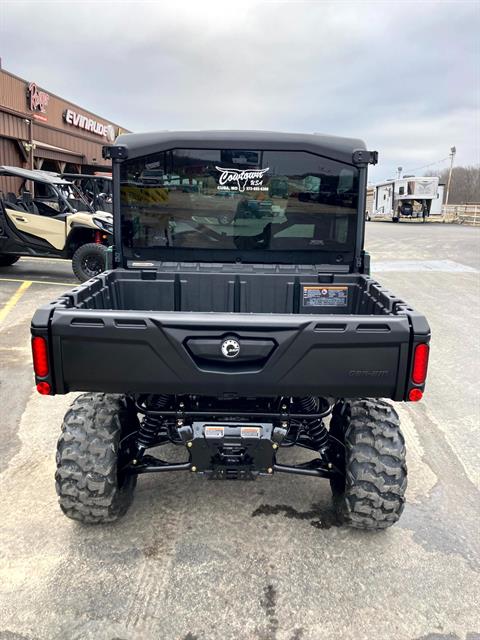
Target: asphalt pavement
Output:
[{"x": 264, "y": 560}]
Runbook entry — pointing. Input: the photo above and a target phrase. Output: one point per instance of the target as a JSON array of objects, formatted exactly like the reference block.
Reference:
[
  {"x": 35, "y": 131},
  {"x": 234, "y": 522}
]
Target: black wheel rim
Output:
[{"x": 92, "y": 265}]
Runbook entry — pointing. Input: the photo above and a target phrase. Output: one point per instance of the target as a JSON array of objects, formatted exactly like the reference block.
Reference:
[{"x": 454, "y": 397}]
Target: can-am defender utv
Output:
[
  {"x": 234, "y": 341},
  {"x": 51, "y": 219}
]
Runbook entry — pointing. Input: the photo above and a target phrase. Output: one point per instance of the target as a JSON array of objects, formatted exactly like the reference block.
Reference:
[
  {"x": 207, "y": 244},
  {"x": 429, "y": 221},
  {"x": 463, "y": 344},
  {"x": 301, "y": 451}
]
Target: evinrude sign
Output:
[
  {"x": 241, "y": 179},
  {"x": 88, "y": 124}
]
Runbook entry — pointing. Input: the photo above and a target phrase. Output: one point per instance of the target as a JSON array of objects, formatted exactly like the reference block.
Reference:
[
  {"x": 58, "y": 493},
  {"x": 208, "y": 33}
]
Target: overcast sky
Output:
[{"x": 404, "y": 76}]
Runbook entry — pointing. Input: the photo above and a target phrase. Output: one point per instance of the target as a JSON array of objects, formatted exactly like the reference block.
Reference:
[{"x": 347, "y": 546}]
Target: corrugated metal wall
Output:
[
  {"x": 10, "y": 155},
  {"x": 54, "y": 131},
  {"x": 79, "y": 146},
  {"x": 12, "y": 92},
  {"x": 13, "y": 126}
]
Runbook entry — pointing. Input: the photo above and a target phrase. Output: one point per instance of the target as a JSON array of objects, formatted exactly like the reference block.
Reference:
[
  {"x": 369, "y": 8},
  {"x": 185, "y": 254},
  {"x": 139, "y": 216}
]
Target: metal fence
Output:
[{"x": 462, "y": 214}]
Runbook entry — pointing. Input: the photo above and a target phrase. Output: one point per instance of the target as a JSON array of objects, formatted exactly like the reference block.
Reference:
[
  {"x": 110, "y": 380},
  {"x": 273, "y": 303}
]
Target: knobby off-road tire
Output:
[
  {"x": 89, "y": 454},
  {"x": 371, "y": 495},
  {"x": 7, "y": 261},
  {"x": 89, "y": 260}
]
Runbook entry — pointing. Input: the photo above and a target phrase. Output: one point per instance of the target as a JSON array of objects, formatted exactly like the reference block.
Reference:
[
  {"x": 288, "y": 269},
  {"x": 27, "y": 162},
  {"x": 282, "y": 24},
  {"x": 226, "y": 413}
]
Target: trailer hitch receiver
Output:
[{"x": 232, "y": 450}]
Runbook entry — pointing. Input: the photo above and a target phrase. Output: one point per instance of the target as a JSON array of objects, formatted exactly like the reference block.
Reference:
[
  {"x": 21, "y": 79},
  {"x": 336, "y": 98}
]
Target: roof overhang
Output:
[
  {"x": 35, "y": 175},
  {"x": 136, "y": 145}
]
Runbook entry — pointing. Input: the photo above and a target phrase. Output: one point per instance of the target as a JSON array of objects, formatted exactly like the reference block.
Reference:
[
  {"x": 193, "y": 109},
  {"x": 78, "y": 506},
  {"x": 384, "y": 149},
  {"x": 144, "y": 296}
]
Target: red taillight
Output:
[
  {"x": 40, "y": 356},
  {"x": 415, "y": 395},
  {"x": 420, "y": 363},
  {"x": 43, "y": 388}
]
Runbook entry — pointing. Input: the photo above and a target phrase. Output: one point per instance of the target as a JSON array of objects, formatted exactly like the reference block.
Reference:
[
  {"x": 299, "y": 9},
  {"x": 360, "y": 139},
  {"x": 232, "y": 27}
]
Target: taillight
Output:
[
  {"x": 415, "y": 395},
  {"x": 420, "y": 363},
  {"x": 44, "y": 388},
  {"x": 40, "y": 356}
]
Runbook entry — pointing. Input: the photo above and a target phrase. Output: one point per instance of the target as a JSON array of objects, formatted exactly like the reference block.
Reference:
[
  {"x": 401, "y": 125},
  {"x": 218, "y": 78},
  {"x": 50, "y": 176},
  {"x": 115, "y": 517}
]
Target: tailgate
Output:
[{"x": 180, "y": 353}]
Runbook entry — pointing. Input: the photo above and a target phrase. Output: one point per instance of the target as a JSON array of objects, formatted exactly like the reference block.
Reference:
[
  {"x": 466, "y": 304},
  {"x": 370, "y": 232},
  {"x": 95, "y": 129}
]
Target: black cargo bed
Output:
[
  {"x": 149, "y": 331},
  {"x": 221, "y": 288}
]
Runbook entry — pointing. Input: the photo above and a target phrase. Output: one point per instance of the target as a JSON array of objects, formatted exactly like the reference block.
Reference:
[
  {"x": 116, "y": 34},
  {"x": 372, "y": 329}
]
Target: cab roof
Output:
[{"x": 337, "y": 148}]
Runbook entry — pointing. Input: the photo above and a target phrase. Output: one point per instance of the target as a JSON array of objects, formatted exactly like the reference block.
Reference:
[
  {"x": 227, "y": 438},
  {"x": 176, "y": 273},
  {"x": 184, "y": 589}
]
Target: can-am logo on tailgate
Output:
[
  {"x": 230, "y": 348},
  {"x": 241, "y": 179}
]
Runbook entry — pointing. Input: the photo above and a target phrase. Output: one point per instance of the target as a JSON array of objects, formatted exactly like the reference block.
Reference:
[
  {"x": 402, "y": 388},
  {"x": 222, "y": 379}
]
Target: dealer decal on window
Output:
[
  {"x": 322, "y": 296},
  {"x": 241, "y": 179}
]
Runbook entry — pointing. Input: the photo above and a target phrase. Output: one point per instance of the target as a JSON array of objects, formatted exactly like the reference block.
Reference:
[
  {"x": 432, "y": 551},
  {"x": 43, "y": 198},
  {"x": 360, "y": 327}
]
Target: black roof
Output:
[{"x": 141, "y": 144}]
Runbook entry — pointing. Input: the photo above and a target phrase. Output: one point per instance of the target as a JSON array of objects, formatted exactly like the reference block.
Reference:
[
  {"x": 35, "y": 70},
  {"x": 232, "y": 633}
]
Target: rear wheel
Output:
[
  {"x": 91, "y": 452},
  {"x": 370, "y": 451},
  {"x": 89, "y": 260},
  {"x": 6, "y": 260}
]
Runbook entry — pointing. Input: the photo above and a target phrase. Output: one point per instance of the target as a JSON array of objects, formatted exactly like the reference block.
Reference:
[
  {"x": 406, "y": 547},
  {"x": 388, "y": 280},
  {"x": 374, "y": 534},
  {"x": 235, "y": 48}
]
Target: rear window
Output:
[{"x": 240, "y": 201}]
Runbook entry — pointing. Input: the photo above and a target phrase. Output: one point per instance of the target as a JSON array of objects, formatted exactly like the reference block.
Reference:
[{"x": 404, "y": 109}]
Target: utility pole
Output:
[{"x": 453, "y": 151}]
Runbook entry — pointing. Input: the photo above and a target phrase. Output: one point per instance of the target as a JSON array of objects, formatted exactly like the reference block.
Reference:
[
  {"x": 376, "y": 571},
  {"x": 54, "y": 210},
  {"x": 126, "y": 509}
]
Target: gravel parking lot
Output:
[{"x": 199, "y": 560}]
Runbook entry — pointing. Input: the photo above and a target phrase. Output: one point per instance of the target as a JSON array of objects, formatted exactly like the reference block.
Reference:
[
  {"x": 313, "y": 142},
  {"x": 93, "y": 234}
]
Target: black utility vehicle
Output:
[{"x": 235, "y": 337}]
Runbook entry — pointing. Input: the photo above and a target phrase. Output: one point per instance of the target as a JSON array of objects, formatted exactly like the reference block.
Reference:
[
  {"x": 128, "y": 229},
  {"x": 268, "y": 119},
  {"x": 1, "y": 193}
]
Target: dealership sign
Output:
[
  {"x": 88, "y": 124},
  {"x": 241, "y": 179},
  {"x": 37, "y": 101}
]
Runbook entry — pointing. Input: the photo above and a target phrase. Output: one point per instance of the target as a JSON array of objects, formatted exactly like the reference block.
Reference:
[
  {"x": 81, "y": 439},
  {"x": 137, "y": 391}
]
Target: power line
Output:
[{"x": 425, "y": 166}]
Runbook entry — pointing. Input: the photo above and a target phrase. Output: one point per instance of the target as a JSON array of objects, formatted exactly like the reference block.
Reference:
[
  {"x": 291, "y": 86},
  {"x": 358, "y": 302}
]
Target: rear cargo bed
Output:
[
  {"x": 246, "y": 289},
  {"x": 301, "y": 332}
]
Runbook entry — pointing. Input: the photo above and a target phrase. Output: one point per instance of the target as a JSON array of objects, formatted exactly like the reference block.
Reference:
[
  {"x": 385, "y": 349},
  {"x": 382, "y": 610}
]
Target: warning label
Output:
[
  {"x": 250, "y": 432},
  {"x": 318, "y": 296},
  {"x": 214, "y": 432}
]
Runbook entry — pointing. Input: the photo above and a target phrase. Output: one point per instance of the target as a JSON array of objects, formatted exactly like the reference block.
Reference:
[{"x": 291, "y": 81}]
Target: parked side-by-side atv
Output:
[
  {"x": 96, "y": 189},
  {"x": 237, "y": 329},
  {"x": 51, "y": 218}
]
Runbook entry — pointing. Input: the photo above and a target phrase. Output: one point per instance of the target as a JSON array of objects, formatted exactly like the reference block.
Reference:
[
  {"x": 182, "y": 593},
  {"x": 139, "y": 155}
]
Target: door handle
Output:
[{"x": 20, "y": 219}]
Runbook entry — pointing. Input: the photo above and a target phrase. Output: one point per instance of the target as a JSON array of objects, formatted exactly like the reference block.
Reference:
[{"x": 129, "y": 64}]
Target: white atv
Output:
[{"x": 44, "y": 215}]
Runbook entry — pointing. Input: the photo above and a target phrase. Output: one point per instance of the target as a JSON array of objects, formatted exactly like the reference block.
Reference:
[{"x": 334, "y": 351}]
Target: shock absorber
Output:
[
  {"x": 151, "y": 424},
  {"x": 309, "y": 404},
  {"x": 316, "y": 430}
]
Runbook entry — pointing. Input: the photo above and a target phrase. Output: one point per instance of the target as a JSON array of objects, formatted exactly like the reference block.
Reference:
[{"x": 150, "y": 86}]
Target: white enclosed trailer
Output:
[
  {"x": 406, "y": 198},
  {"x": 437, "y": 203}
]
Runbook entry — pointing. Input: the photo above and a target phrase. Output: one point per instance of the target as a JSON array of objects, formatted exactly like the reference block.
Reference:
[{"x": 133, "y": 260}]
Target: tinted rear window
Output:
[{"x": 238, "y": 201}]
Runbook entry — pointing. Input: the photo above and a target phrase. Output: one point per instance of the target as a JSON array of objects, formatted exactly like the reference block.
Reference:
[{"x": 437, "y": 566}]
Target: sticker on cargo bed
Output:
[
  {"x": 318, "y": 296},
  {"x": 250, "y": 432},
  {"x": 241, "y": 179},
  {"x": 214, "y": 432}
]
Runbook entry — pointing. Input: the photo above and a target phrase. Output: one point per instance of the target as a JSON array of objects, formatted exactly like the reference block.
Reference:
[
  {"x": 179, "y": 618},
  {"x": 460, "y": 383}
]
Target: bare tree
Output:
[{"x": 465, "y": 187}]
